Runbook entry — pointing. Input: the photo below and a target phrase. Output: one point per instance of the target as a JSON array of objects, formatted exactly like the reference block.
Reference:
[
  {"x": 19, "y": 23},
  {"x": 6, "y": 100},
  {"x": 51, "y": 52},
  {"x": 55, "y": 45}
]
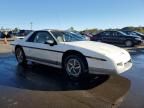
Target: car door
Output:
[
  {"x": 40, "y": 51},
  {"x": 106, "y": 37},
  {"x": 119, "y": 37},
  {"x": 114, "y": 37}
]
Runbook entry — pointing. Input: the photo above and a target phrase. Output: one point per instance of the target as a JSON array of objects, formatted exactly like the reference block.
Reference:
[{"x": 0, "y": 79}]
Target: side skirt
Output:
[{"x": 44, "y": 62}]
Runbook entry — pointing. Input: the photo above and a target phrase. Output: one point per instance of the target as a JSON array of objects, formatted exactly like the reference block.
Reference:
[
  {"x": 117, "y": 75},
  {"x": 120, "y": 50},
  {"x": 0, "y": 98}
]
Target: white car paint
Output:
[{"x": 101, "y": 58}]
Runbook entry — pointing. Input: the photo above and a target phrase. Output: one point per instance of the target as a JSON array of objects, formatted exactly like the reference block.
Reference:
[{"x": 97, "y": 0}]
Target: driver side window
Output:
[
  {"x": 116, "y": 34},
  {"x": 105, "y": 33},
  {"x": 42, "y": 37}
]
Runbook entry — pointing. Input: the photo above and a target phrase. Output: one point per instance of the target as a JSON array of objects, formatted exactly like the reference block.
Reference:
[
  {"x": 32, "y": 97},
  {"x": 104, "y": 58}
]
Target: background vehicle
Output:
[
  {"x": 88, "y": 35},
  {"x": 84, "y": 36},
  {"x": 117, "y": 37},
  {"x": 134, "y": 33},
  {"x": 22, "y": 33},
  {"x": 10, "y": 34},
  {"x": 71, "y": 52},
  {"x": 3, "y": 35}
]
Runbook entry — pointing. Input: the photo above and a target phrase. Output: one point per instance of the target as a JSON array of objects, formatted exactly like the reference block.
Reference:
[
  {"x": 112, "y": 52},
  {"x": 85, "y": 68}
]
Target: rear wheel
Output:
[
  {"x": 75, "y": 67},
  {"x": 20, "y": 56}
]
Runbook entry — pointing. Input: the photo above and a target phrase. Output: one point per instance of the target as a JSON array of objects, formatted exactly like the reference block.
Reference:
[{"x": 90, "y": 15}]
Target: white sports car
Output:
[{"x": 71, "y": 52}]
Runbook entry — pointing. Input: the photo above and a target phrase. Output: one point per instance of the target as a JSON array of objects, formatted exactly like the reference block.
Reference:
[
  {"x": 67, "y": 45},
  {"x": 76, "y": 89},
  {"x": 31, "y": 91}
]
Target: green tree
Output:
[{"x": 16, "y": 30}]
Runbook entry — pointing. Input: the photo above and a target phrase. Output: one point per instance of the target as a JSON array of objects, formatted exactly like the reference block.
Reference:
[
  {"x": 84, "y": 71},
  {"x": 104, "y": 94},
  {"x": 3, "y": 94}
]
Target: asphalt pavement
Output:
[
  {"x": 19, "y": 83},
  {"x": 135, "y": 98}
]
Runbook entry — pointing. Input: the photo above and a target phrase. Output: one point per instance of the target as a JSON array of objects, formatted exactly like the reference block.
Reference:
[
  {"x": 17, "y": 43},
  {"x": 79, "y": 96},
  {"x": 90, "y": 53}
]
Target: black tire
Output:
[
  {"x": 21, "y": 60},
  {"x": 84, "y": 68},
  {"x": 129, "y": 43}
]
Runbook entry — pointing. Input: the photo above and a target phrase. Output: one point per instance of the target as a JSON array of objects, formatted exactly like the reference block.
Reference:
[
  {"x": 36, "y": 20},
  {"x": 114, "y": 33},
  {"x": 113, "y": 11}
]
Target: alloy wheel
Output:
[
  {"x": 128, "y": 43},
  {"x": 73, "y": 67},
  {"x": 19, "y": 55}
]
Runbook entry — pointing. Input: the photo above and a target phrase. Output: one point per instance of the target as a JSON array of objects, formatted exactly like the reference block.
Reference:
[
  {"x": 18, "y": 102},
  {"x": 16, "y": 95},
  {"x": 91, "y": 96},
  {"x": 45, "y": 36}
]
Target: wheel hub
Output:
[{"x": 73, "y": 67}]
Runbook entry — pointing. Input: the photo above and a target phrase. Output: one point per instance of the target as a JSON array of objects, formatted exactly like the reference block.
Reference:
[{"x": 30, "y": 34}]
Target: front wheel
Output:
[
  {"x": 20, "y": 56},
  {"x": 75, "y": 67},
  {"x": 129, "y": 43}
]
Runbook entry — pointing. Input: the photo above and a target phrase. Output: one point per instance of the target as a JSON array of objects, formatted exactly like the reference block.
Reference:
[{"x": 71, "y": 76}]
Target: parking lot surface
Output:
[
  {"x": 136, "y": 75},
  {"x": 18, "y": 83},
  {"x": 34, "y": 81}
]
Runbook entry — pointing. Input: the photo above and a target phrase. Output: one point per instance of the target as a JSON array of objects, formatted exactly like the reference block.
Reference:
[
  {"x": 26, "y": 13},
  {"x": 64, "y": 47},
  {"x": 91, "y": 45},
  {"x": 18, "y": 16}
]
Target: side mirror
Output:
[{"x": 50, "y": 42}]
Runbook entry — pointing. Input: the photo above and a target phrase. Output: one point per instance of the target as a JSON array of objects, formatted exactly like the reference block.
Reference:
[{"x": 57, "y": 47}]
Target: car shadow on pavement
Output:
[
  {"x": 136, "y": 51},
  {"x": 44, "y": 78}
]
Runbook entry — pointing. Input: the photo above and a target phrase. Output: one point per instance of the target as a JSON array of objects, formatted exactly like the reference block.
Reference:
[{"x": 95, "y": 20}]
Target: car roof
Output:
[
  {"x": 127, "y": 30},
  {"x": 50, "y": 30},
  {"x": 111, "y": 30}
]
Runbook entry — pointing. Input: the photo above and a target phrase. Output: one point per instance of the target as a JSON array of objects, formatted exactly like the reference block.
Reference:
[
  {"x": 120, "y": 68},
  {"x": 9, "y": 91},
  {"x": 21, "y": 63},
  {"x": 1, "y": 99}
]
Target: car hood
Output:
[
  {"x": 108, "y": 50},
  {"x": 134, "y": 36}
]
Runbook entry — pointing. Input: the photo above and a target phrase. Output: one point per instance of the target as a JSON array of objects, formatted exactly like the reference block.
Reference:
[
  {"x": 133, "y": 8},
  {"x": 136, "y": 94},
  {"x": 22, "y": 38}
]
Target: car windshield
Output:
[
  {"x": 129, "y": 33},
  {"x": 123, "y": 33},
  {"x": 133, "y": 33},
  {"x": 64, "y": 36}
]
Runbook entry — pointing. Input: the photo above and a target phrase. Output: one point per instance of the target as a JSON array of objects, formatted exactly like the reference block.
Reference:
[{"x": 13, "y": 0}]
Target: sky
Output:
[{"x": 63, "y": 14}]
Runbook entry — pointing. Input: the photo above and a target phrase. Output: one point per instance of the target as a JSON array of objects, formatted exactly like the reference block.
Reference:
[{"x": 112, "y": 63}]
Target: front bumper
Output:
[
  {"x": 138, "y": 42},
  {"x": 125, "y": 67},
  {"x": 117, "y": 70},
  {"x": 102, "y": 71}
]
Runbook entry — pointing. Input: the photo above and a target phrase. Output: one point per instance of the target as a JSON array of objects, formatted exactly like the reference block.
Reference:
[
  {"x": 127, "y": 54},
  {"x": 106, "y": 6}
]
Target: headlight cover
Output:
[
  {"x": 120, "y": 64},
  {"x": 138, "y": 39}
]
